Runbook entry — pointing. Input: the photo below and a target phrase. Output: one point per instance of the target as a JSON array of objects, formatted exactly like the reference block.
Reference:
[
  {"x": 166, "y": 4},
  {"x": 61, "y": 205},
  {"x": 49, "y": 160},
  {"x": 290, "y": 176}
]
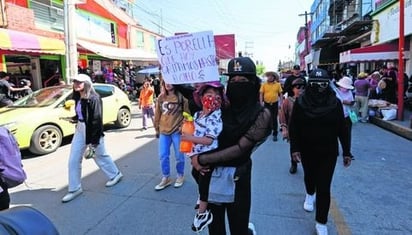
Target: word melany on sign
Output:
[{"x": 188, "y": 58}]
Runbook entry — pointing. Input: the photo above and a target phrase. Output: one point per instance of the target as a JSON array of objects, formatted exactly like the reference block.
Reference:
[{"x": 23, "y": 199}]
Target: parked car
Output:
[{"x": 37, "y": 120}]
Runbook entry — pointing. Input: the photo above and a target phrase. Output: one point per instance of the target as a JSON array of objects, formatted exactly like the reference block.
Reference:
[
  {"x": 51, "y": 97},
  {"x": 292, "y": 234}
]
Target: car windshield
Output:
[{"x": 43, "y": 97}]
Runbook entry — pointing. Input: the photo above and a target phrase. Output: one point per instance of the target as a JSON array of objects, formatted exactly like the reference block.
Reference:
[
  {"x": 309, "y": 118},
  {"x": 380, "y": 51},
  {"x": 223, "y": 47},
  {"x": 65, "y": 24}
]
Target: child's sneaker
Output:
[{"x": 202, "y": 220}]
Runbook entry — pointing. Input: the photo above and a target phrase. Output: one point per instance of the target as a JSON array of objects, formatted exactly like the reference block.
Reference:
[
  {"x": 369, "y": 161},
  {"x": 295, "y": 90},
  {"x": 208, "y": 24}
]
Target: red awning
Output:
[{"x": 381, "y": 52}]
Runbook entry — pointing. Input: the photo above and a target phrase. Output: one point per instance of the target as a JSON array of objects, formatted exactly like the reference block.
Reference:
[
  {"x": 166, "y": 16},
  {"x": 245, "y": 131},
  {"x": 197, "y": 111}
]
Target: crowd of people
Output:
[{"x": 313, "y": 115}]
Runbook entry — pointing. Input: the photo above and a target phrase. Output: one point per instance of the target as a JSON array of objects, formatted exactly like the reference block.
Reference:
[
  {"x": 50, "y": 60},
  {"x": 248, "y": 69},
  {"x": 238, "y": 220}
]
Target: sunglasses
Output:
[
  {"x": 319, "y": 84},
  {"x": 299, "y": 86}
]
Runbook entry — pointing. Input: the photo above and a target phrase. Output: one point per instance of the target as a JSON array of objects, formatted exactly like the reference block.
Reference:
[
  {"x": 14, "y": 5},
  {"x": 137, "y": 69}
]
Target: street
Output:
[{"x": 372, "y": 196}]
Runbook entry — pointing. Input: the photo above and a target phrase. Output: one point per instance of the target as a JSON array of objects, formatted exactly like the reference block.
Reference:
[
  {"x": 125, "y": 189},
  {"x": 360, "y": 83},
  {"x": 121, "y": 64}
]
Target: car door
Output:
[{"x": 110, "y": 105}]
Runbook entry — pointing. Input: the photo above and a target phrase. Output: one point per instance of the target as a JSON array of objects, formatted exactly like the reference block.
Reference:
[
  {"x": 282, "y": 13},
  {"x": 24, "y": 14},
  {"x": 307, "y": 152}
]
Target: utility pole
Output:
[
  {"x": 70, "y": 40},
  {"x": 306, "y": 14}
]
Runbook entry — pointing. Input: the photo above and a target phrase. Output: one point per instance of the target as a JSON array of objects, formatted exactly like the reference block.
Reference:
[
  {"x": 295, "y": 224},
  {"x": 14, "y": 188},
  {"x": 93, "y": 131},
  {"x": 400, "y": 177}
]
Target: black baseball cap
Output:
[
  {"x": 296, "y": 67},
  {"x": 319, "y": 74},
  {"x": 241, "y": 66}
]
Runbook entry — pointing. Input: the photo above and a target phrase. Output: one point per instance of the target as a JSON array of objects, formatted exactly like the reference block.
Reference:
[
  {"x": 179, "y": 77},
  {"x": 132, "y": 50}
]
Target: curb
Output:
[{"x": 393, "y": 127}]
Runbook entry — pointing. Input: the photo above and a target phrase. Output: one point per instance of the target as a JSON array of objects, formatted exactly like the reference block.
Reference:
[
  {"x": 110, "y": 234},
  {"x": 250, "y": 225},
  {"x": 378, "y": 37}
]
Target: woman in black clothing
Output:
[
  {"x": 246, "y": 124},
  {"x": 316, "y": 124}
]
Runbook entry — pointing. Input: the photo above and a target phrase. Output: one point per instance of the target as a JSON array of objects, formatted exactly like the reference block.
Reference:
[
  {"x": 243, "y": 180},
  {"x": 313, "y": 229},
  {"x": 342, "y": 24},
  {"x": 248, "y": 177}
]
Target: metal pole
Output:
[{"x": 400, "y": 59}]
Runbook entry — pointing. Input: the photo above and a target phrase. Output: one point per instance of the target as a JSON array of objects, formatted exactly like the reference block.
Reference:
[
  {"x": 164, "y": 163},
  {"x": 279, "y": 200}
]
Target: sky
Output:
[{"x": 266, "y": 28}]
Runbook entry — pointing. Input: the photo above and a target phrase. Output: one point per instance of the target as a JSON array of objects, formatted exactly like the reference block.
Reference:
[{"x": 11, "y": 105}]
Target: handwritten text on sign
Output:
[{"x": 188, "y": 58}]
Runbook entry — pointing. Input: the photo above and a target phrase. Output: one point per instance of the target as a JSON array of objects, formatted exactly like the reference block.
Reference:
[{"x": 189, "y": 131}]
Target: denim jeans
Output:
[
  {"x": 147, "y": 112},
  {"x": 164, "y": 153},
  {"x": 102, "y": 159}
]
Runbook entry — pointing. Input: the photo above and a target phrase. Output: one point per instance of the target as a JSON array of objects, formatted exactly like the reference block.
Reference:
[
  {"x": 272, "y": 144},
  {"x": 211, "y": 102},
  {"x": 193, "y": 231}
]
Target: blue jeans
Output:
[
  {"x": 164, "y": 153},
  {"x": 102, "y": 159}
]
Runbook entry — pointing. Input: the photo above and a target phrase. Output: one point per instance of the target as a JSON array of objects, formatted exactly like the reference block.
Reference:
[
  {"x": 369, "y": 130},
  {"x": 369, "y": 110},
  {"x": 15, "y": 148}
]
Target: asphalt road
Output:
[{"x": 373, "y": 196}]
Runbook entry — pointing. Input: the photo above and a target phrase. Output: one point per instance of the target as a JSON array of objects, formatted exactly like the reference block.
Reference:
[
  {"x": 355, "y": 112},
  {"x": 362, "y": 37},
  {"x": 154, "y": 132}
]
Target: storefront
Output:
[{"x": 30, "y": 56}]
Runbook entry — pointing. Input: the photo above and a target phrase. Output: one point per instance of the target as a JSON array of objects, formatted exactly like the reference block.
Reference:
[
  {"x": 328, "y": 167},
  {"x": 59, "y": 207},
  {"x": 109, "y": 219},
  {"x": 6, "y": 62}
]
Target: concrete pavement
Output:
[{"x": 370, "y": 197}]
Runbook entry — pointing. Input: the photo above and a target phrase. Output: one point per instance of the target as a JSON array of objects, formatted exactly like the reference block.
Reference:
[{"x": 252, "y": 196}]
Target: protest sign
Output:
[{"x": 188, "y": 58}]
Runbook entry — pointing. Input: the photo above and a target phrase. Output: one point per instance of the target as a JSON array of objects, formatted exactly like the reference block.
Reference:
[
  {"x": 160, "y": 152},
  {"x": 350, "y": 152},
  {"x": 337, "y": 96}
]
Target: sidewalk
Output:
[{"x": 401, "y": 128}]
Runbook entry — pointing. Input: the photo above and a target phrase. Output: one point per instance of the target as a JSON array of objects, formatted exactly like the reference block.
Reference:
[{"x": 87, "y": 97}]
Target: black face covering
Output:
[
  {"x": 318, "y": 99},
  {"x": 242, "y": 109},
  {"x": 240, "y": 95}
]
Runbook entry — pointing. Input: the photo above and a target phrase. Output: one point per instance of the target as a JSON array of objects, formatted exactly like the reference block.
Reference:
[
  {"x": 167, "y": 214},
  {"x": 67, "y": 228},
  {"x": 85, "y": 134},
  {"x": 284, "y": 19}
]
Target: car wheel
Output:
[
  {"x": 124, "y": 117},
  {"x": 45, "y": 139}
]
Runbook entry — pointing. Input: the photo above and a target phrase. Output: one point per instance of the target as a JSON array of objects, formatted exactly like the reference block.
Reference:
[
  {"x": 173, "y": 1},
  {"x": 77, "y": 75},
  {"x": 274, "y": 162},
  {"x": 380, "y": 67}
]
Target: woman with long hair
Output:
[{"x": 88, "y": 137}]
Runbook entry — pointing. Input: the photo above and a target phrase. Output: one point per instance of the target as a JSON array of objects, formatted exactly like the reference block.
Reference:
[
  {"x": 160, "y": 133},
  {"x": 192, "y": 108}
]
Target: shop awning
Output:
[
  {"x": 381, "y": 52},
  {"x": 27, "y": 42},
  {"x": 117, "y": 53}
]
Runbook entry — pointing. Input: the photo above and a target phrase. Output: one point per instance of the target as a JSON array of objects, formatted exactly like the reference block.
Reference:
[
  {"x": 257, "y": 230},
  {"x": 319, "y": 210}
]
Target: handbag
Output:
[{"x": 353, "y": 116}]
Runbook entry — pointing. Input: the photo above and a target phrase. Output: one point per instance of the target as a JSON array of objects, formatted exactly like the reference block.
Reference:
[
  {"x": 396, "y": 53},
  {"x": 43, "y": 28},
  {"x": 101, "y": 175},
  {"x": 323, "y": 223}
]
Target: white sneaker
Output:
[
  {"x": 321, "y": 229},
  {"x": 72, "y": 195},
  {"x": 115, "y": 180},
  {"x": 252, "y": 230},
  {"x": 202, "y": 220},
  {"x": 309, "y": 201}
]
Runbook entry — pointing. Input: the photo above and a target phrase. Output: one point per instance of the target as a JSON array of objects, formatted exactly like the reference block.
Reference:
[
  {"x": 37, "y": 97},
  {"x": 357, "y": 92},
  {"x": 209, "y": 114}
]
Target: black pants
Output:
[
  {"x": 318, "y": 172},
  {"x": 203, "y": 183},
  {"x": 4, "y": 197},
  {"x": 274, "y": 109},
  {"x": 237, "y": 212}
]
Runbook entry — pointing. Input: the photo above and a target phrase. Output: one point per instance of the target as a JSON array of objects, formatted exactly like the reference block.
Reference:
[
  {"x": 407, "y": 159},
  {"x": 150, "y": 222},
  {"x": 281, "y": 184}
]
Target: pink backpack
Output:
[{"x": 11, "y": 169}]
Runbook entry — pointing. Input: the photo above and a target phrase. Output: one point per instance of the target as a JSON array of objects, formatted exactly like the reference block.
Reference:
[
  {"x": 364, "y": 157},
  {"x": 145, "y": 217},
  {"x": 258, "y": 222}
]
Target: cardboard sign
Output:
[{"x": 188, "y": 58}]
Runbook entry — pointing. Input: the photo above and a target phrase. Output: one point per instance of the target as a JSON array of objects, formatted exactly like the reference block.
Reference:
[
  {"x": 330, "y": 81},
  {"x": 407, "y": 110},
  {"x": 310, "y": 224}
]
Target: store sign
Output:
[
  {"x": 188, "y": 58},
  {"x": 387, "y": 27}
]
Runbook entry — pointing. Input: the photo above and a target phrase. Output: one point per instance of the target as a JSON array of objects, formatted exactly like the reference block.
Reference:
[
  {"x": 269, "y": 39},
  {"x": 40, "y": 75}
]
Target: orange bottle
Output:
[{"x": 188, "y": 128}]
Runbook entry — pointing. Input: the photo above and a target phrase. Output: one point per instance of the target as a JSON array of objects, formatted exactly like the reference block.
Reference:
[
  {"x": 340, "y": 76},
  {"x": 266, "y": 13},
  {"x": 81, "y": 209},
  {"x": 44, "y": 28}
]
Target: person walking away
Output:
[
  {"x": 208, "y": 125},
  {"x": 317, "y": 123},
  {"x": 146, "y": 103},
  {"x": 345, "y": 95},
  {"x": 285, "y": 114},
  {"x": 270, "y": 97},
  {"x": 88, "y": 137},
  {"x": 246, "y": 124},
  {"x": 170, "y": 106},
  {"x": 362, "y": 87},
  {"x": 6, "y": 89}
]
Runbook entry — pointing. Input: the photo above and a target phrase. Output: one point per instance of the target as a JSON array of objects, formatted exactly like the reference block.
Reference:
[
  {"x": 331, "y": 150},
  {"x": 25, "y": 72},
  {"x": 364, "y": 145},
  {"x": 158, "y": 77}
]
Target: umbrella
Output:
[{"x": 149, "y": 70}]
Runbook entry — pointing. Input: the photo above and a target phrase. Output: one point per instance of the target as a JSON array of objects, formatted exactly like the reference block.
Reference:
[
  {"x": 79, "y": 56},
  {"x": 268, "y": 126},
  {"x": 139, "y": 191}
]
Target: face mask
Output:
[
  {"x": 211, "y": 103},
  {"x": 240, "y": 93}
]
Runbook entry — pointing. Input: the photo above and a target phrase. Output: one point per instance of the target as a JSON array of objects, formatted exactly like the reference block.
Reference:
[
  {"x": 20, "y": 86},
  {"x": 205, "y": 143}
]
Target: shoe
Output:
[
  {"x": 252, "y": 230},
  {"x": 321, "y": 229},
  {"x": 144, "y": 128},
  {"x": 115, "y": 180},
  {"x": 275, "y": 138},
  {"x": 309, "y": 201},
  {"x": 352, "y": 157},
  {"x": 293, "y": 169},
  {"x": 163, "y": 184},
  {"x": 202, "y": 220},
  {"x": 72, "y": 195},
  {"x": 179, "y": 182}
]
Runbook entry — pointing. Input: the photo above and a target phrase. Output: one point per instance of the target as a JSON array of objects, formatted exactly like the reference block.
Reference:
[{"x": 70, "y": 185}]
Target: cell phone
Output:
[{"x": 66, "y": 118}]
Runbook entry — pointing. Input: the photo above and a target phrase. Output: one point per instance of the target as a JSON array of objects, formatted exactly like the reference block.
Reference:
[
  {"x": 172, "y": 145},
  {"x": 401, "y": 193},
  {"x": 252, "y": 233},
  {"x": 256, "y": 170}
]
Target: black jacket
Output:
[{"x": 92, "y": 111}]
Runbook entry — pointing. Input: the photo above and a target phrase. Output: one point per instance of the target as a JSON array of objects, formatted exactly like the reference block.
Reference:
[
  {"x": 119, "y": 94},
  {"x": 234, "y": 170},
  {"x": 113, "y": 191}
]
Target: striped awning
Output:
[{"x": 27, "y": 42}]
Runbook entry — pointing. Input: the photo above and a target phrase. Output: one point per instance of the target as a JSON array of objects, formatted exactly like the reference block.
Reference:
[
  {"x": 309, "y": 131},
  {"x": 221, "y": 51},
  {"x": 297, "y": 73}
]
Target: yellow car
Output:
[{"x": 37, "y": 120}]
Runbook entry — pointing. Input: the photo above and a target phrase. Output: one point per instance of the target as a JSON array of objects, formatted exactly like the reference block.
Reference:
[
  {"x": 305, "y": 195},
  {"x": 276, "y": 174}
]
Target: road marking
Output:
[{"x": 341, "y": 226}]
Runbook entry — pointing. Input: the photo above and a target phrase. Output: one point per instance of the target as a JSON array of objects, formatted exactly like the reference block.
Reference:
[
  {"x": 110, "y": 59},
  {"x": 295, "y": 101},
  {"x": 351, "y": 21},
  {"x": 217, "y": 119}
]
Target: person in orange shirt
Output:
[
  {"x": 270, "y": 95},
  {"x": 146, "y": 103}
]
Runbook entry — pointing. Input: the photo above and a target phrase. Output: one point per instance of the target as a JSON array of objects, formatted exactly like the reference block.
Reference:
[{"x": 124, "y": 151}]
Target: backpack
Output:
[{"x": 11, "y": 168}]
